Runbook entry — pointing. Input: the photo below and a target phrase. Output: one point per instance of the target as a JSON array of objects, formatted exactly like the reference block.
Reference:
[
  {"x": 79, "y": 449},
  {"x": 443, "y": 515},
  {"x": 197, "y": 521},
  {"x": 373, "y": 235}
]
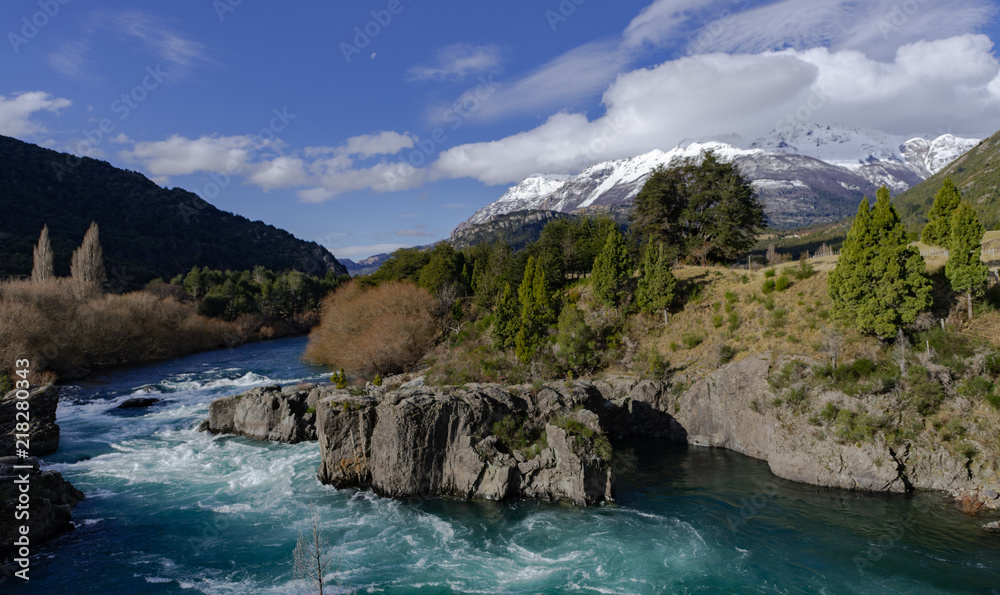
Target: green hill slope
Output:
[
  {"x": 977, "y": 176},
  {"x": 146, "y": 231}
]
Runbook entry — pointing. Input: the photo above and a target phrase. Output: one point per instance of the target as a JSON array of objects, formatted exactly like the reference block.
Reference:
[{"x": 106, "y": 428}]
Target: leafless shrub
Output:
[{"x": 382, "y": 330}]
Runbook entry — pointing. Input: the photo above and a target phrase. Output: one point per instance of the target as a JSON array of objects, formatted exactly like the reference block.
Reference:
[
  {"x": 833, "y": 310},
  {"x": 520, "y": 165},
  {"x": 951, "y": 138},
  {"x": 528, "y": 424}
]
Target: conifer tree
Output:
[
  {"x": 655, "y": 291},
  {"x": 43, "y": 268},
  {"x": 612, "y": 270},
  {"x": 937, "y": 232},
  {"x": 87, "y": 264},
  {"x": 537, "y": 310},
  {"x": 879, "y": 283},
  {"x": 506, "y": 319},
  {"x": 965, "y": 271}
]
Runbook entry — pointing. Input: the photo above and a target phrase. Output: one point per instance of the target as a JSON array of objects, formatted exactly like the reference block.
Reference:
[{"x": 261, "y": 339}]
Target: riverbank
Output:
[{"x": 174, "y": 510}]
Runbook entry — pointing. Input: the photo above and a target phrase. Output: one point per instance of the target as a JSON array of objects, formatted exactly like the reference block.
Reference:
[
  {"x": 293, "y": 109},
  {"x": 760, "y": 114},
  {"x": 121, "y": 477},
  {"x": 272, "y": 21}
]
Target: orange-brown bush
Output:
[
  {"x": 67, "y": 327},
  {"x": 383, "y": 330}
]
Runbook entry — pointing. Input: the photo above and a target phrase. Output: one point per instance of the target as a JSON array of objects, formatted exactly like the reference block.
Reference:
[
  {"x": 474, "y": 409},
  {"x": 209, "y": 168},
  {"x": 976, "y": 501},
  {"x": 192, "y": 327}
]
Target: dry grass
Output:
[
  {"x": 383, "y": 330},
  {"x": 66, "y": 327}
]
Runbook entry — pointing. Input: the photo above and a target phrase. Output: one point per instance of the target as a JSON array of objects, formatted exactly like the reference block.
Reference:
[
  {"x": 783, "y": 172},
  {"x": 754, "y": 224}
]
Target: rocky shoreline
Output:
[
  {"x": 409, "y": 440},
  {"x": 51, "y": 498}
]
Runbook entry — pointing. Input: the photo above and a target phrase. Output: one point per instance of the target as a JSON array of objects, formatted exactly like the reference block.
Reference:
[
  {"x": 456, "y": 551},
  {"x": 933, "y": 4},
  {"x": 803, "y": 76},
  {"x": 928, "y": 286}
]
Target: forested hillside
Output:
[{"x": 146, "y": 231}]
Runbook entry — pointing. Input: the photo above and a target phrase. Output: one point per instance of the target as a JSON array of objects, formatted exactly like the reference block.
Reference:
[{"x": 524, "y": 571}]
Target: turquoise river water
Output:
[{"x": 173, "y": 510}]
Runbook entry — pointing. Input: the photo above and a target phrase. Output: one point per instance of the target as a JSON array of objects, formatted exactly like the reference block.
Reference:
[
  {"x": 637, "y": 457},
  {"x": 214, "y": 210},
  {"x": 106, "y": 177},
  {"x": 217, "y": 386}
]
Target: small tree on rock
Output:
[
  {"x": 965, "y": 271},
  {"x": 312, "y": 556},
  {"x": 43, "y": 268},
  {"x": 937, "y": 232},
  {"x": 87, "y": 264}
]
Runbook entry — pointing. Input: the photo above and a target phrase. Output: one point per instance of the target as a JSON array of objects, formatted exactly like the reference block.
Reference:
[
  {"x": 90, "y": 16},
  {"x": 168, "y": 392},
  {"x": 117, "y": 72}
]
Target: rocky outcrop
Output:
[
  {"x": 267, "y": 413},
  {"x": 552, "y": 443},
  {"x": 138, "y": 403},
  {"x": 427, "y": 442},
  {"x": 50, "y": 501},
  {"x": 43, "y": 433}
]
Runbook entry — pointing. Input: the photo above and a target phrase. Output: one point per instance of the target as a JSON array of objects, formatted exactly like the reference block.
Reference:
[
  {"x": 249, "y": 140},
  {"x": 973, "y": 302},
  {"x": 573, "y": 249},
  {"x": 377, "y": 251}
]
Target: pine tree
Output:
[
  {"x": 655, "y": 291},
  {"x": 937, "y": 232},
  {"x": 965, "y": 271},
  {"x": 612, "y": 270},
  {"x": 506, "y": 319},
  {"x": 537, "y": 310},
  {"x": 879, "y": 283},
  {"x": 87, "y": 264},
  {"x": 43, "y": 269}
]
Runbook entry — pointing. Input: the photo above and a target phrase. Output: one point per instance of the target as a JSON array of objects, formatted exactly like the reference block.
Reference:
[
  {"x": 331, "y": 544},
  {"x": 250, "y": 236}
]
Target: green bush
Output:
[
  {"x": 691, "y": 340},
  {"x": 726, "y": 354},
  {"x": 769, "y": 273},
  {"x": 731, "y": 297},
  {"x": 6, "y": 384},
  {"x": 782, "y": 283},
  {"x": 717, "y": 320},
  {"x": 804, "y": 271},
  {"x": 514, "y": 433},
  {"x": 977, "y": 387},
  {"x": 768, "y": 286},
  {"x": 926, "y": 394}
]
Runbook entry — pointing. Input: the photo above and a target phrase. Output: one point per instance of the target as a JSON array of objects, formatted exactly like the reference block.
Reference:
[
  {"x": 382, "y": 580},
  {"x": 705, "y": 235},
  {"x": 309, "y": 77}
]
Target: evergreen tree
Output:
[
  {"x": 43, "y": 269},
  {"x": 537, "y": 310},
  {"x": 655, "y": 291},
  {"x": 708, "y": 210},
  {"x": 937, "y": 232},
  {"x": 87, "y": 263},
  {"x": 506, "y": 319},
  {"x": 612, "y": 270},
  {"x": 879, "y": 283},
  {"x": 965, "y": 271}
]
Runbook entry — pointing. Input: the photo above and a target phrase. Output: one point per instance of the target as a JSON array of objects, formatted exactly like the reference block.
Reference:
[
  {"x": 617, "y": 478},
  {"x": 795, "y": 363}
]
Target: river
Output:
[{"x": 173, "y": 510}]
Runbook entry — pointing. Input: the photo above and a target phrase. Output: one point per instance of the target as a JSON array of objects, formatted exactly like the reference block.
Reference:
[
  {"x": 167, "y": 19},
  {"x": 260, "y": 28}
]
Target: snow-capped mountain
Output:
[{"x": 809, "y": 174}]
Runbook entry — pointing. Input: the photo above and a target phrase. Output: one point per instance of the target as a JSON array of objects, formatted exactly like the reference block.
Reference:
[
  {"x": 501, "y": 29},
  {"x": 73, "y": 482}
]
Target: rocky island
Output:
[{"x": 552, "y": 443}]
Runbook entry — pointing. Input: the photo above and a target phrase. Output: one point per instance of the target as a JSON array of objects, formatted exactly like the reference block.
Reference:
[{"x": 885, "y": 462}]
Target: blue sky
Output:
[{"x": 372, "y": 125}]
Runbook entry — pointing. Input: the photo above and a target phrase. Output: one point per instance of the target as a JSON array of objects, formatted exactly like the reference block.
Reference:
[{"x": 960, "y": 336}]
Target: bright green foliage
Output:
[
  {"x": 612, "y": 270},
  {"x": 966, "y": 272},
  {"x": 378, "y": 380},
  {"x": 443, "y": 268},
  {"x": 339, "y": 379},
  {"x": 506, "y": 319},
  {"x": 577, "y": 341},
  {"x": 879, "y": 283},
  {"x": 938, "y": 229},
  {"x": 537, "y": 311},
  {"x": 707, "y": 210},
  {"x": 655, "y": 291}
]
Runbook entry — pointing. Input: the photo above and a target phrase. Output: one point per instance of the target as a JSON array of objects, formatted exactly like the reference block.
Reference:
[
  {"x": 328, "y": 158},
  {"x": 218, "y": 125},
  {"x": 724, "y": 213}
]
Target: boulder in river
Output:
[
  {"x": 138, "y": 403},
  {"x": 43, "y": 433},
  {"x": 51, "y": 501}
]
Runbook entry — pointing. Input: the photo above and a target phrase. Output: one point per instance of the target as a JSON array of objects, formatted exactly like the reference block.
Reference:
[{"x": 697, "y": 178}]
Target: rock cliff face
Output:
[
  {"x": 267, "y": 413},
  {"x": 493, "y": 442},
  {"x": 43, "y": 435}
]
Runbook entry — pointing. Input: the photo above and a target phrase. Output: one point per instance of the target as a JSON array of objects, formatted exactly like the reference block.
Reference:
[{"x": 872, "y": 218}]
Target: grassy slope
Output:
[{"x": 977, "y": 176}]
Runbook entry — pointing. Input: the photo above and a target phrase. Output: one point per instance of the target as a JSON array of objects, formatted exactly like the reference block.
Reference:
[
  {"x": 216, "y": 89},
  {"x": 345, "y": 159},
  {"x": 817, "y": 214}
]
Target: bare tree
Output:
[
  {"x": 772, "y": 254},
  {"x": 43, "y": 269},
  {"x": 831, "y": 344},
  {"x": 899, "y": 353},
  {"x": 312, "y": 556},
  {"x": 87, "y": 265}
]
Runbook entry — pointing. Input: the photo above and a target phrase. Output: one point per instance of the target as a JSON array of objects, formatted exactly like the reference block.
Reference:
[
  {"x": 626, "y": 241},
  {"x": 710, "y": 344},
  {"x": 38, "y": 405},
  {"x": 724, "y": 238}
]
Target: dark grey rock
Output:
[
  {"x": 52, "y": 499},
  {"x": 138, "y": 403},
  {"x": 43, "y": 433}
]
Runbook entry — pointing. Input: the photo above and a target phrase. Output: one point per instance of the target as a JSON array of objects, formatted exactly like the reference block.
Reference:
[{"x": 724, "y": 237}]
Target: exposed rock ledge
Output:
[{"x": 440, "y": 441}]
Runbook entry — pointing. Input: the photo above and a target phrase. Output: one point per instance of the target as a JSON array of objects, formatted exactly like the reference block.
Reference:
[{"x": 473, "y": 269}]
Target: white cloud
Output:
[
  {"x": 281, "y": 172},
  {"x": 459, "y": 60},
  {"x": 380, "y": 143},
  {"x": 877, "y": 27},
  {"x": 156, "y": 35},
  {"x": 179, "y": 155},
  {"x": 16, "y": 112},
  {"x": 664, "y": 21},
  {"x": 928, "y": 86},
  {"x": 71, "y": 58}
]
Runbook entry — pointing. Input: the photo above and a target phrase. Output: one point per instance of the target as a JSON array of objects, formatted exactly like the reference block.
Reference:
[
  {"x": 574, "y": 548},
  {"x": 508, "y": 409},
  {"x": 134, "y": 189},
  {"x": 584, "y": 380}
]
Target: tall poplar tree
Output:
[
  {"x": 537, "y": 310},
  {"x": 87, "y": 263},
  {"x": 506, "y": 319},
  {"x": 43, "y": 268},
  {"x": 879, "y": 283},
  {"x": 965, "y": 271},
  {"x": 612, "y": 270},
  {"x": 937, "y": 232}
]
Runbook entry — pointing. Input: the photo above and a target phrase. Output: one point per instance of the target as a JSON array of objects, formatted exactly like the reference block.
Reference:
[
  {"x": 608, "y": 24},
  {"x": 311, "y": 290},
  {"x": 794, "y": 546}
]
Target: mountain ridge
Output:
[
  {"x": 806, "y": 175},
  {"x": 146, "y": 231}
]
